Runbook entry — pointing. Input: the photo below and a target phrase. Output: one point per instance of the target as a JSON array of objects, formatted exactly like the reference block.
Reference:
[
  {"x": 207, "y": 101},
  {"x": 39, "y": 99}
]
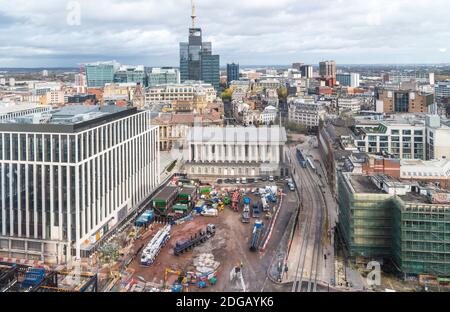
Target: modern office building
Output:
[
  {"x": 327, "y": 69},
  {"x": 442, "y": 89},
  {"x": 162, "y": 76},
  {"x": 349, "y": 104},
  {"x": 404, "y": 101},
  {"x": 399, "y": 139},
  {"x": 130, "y": 74},
  {"x": 232, "y": 72},
  {"x": 438, "y": 138},
  {"x": 10, "y": 112},
  {"x": 348, "y": 80},
  {"x": 306, "y": 71},
  {"x": 68, "y": 176},
  {"x": 197, "y": 62},
  {"x": 424, "y": 78},
  {"x": 101, "y": 73},
  {"x": 235, "y": 151}
]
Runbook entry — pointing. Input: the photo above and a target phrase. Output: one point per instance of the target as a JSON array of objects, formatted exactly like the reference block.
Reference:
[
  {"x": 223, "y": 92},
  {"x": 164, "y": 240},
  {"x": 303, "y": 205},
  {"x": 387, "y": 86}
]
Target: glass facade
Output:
[
  {"x": 232, "y": 72},
  {"x": 197, "y": 62},
  {"x": 100, "y": 74}
]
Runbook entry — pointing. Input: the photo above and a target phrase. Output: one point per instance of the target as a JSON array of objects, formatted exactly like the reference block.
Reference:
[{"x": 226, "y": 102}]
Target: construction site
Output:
[
  {"x": 25, "y": 278},
  {"x": 195, "y": 236}
]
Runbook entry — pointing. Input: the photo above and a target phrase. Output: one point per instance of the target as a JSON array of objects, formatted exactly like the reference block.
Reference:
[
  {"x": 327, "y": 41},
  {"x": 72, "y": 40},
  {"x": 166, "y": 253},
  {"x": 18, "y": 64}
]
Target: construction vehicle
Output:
[
  {"x": 168, "y": 271},
  {"x": 264, "y": 204},
  {"x": 227, "y": 200},
  {"x": 33, "y": 277},
  {"x": 245, "y": 217},
  {"x": 153, "y": 248},
  {"x": 145, "y": 219},
  {"x": 197, "y": 239},
  {"x": 255, "y": 240},
  {"x": 235, "y": 200},
  {"x": 200, "y": 206},
  {"x": 210, "y": 212},
  {"x": 271, "y": 197},
  {"x": 256, "y": 212}
]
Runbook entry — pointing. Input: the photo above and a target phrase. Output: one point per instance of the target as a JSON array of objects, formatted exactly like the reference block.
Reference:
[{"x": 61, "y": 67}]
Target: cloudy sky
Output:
[{"x": 251, "y": 32}]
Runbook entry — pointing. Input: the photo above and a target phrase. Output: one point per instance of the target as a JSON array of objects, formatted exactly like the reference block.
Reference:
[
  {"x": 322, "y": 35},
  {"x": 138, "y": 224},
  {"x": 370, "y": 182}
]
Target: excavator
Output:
[{"x": 178, "y": 285}]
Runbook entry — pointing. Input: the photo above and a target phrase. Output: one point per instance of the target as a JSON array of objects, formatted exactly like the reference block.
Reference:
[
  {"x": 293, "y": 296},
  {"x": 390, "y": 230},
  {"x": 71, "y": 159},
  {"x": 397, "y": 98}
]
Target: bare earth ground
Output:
[{"x": 230, "y": 247}]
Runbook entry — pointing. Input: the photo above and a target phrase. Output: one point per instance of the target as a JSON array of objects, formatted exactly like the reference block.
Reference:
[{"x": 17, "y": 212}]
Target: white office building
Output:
[
  {"x": 442, "y": 89},
  {"x": 269, "y": 115},
  {"x": 69, "y": 176},
  {"x": 235, "y": 151},
  {"x": 306, "y": 111},
  {"x": 349, "y": 105},
  {"x": 166, "y": 94},
  {"x": 405, "y": 137}
]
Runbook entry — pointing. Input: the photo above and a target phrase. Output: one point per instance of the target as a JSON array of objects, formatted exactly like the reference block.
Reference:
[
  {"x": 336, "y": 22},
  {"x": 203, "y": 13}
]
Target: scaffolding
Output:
[
  {"x": 364, "y": 221},
  {"x": 421, "y": 239}
]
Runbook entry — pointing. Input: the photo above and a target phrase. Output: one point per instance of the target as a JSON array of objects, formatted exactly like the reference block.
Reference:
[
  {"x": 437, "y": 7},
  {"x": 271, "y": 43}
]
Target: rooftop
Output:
[
  {"x": 67, "y": 119},
  {"x": 273, "y": 134},
  {"x": 363, "y": 184}
]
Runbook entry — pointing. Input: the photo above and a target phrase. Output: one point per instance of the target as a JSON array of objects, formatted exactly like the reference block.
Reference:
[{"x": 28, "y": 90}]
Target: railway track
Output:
[{"x": 314, "y": 208}]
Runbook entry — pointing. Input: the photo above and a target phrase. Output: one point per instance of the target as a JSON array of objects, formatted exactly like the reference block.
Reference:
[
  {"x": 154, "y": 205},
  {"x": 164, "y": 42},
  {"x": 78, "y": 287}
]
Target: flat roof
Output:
[
  {"x": 273, "y": 134},
  {"x": 363, "y": 184},
  {"x": 8, "y": 108},
  {"x": 412, "y": 197},
  {"x": 68, "y": 119},
  {"x": 166, "y": 193}
]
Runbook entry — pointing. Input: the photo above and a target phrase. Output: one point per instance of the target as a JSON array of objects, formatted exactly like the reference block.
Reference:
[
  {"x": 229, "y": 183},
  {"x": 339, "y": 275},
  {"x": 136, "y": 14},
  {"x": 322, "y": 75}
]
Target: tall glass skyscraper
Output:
[
  {"x": 196, "y": 59},
  {"x": 232, "y": 72}
]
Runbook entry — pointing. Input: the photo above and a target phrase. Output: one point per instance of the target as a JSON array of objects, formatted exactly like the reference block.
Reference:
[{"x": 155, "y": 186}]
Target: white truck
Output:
[{"x": 153, "y": 248}]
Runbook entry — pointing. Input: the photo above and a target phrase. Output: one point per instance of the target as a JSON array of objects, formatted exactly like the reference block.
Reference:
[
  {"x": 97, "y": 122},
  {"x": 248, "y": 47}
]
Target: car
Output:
[
  {"x": 255, "y": 180},
  {"x": 292, "y": 187},
  {"x": 264, "y": 179},
  {"x": 219, "y": 181},
  {"x": 251, "y": 180},
  {"x": 276, "y": 178},
  {"x": 271, "y": 179},
  {"x": 227, "y": 181},
  {"x": 238, "y": 181},
  {"x": 244, "y": 181}
]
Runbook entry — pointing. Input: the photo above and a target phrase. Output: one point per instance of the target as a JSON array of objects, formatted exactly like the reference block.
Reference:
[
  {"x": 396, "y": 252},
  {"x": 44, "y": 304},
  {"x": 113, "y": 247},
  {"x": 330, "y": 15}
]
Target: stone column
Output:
[{"x": 244, "y": 159}]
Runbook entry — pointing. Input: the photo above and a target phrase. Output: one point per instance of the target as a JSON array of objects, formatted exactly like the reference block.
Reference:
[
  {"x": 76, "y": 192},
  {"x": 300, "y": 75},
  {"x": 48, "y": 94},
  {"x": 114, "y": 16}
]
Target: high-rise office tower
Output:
[
  {"x": 327, "y": 69},
  {"x": 306, "y": 71},
  {"x": 232, "y": 72},
  {"x": 196, "y": 59}
]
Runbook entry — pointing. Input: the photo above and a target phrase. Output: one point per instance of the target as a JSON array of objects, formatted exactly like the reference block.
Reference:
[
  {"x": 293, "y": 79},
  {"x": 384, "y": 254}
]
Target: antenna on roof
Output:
[{"x": 193, "y": 15}]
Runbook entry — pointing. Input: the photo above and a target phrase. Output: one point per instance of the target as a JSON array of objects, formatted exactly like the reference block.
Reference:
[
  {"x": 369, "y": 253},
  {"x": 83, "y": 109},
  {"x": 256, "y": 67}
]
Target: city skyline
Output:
[{"x": 52, "y": 33}]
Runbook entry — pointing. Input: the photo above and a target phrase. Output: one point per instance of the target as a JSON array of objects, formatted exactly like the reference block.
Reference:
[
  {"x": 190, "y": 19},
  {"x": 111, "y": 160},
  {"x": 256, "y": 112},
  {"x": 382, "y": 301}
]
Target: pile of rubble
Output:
[{"x": 205, "y": 263}]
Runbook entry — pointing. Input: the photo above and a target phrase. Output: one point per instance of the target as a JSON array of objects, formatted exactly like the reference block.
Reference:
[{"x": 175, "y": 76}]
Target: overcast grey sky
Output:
[{"x": 46, "y": 32}]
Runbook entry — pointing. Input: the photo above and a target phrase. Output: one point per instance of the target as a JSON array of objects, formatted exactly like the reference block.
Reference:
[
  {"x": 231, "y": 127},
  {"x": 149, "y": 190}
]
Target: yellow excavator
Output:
[{"x": 177, "y": 287}]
